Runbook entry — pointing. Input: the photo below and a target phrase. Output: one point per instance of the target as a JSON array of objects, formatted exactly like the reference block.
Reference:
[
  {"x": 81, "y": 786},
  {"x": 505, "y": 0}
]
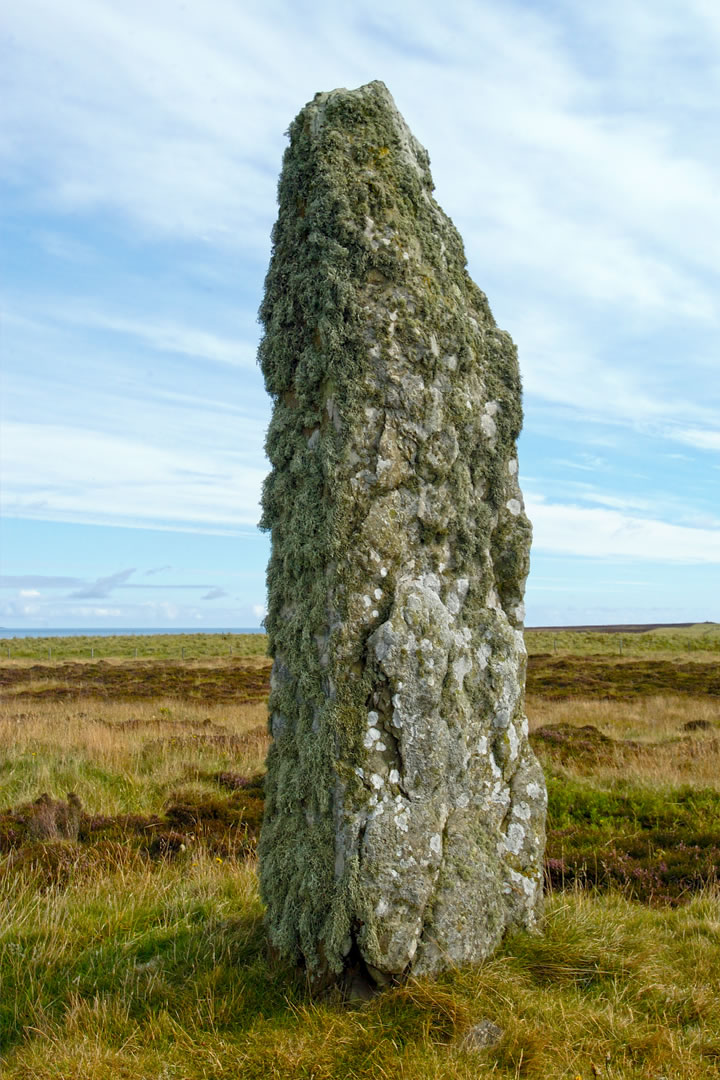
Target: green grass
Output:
[
  {"x": 119, "y": 646},
  {"x": 142, "y": 975},
  {"x": 702, "y": 638},
  {"x": 693, "y": 641},
  {"x": 132, "y": 945},
  {"x": 656, "y": 845}
]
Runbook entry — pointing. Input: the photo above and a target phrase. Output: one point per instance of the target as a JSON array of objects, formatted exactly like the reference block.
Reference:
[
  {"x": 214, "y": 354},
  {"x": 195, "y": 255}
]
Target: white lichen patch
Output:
[
  {"x": 488, "y": 426},
  {"x": 482, "y": 656},
  {"x": 515, "y": 838},
  {"x": 461, "y": 667},
  {"x": 514, "y": 506}
]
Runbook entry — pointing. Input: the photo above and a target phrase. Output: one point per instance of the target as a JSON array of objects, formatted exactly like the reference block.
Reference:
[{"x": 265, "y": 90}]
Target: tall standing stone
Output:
[{"x": 404, "y": 823}]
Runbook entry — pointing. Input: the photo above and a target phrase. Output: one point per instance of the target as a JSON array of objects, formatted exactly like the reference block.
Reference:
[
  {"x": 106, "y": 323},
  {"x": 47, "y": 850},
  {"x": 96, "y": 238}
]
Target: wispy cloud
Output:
[
  {"x": 702, "y": 439},
  {"x": 102, "y": 587},
  {"x": 631, "y": 217},
  {"x": 214, "y": 594},
  {"x": 586, "y": 196},
  {"x": 66, "y": 474},
  {"x": 163, "y": 336},
  {"x": 599, "y": 533},
  {"x": 37, "y": 581}
]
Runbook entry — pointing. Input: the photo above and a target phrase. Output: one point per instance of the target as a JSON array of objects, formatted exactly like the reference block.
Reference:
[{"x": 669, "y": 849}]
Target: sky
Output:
[{"x": 574, "y": 146}]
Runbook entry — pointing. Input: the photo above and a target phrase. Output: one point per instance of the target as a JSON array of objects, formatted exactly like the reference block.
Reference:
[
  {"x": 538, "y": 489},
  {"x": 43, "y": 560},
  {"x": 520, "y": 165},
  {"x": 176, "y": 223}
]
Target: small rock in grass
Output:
[{"x": 482, "y": 1036}]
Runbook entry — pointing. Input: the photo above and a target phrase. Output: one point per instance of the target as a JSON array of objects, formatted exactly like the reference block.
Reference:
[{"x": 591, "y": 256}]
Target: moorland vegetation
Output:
[{"x": 131, "y": 935}]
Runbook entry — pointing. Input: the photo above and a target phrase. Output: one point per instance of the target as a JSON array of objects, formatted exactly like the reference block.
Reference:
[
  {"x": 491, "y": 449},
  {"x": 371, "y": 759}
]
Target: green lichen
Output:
[{"x": 380, "y": 354}]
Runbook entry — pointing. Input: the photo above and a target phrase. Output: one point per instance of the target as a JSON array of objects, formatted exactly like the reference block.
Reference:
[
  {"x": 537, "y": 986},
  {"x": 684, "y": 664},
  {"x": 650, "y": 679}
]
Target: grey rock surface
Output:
[
  {"x": 404, "y": 823},
  {"x": 482, "y": 1036}
]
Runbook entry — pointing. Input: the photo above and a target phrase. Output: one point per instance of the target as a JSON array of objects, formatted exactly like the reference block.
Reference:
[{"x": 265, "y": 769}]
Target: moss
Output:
[{"x": 364, "y": 262}]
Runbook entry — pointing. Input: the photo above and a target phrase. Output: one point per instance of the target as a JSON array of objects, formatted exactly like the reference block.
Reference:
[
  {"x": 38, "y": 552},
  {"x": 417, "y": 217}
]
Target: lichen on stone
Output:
[{"x": 405, "y": 811}]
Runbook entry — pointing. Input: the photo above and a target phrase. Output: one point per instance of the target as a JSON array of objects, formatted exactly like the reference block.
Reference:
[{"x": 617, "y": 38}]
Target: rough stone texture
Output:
[
  {"x": 404, "y": 822},
  {"x": 482, "y": 1036}
]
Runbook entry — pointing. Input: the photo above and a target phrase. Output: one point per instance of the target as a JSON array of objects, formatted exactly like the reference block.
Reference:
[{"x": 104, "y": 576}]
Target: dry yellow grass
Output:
[
  {"x": 158, "y": 969},
  {"x": 123, "y": 756},
  {"x": 666, "y": 753}
]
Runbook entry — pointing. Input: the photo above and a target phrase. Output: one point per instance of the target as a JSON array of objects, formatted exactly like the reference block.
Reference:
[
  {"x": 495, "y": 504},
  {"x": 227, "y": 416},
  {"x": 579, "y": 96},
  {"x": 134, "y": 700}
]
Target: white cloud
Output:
[
  {"x": 703, "y": 440},
  {"x": 563, "y": 365},
  {"x": 174, "y": 117},
  {"x": 163, "y": 336},
  {"x": 66, "y": 474},
  {"x": 575, "y": 147},
  {"x": 565, "y": 193},
  {"x": 598, "y": 533}
]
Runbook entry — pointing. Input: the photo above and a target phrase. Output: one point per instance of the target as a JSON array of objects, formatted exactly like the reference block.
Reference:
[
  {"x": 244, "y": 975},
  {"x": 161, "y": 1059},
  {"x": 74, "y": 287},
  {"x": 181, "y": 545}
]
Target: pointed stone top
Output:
[{"x": 374, "y": 98}]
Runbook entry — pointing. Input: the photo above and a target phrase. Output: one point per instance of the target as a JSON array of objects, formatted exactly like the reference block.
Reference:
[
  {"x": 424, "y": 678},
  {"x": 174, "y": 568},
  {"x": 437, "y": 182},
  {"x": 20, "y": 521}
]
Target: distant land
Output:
[
  {"x": 121, "y": 631},
  {"x": 627, "y": 628},
  {"x": 95, "y": 631}
]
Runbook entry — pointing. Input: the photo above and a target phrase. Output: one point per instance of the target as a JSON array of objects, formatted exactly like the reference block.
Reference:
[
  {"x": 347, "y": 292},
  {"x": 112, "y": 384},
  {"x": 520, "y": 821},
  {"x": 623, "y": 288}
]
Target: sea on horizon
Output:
[{"x": 95, "y": 631}]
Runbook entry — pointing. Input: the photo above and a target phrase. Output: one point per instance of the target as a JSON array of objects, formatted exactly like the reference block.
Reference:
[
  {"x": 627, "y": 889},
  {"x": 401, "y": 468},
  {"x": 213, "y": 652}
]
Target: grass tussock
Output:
[
  {"x": 124, "y": 757},
  {"x": 137, "y": 975},
  {"x": 633, "y": 794},
  {"x": 131, "y": 937}
]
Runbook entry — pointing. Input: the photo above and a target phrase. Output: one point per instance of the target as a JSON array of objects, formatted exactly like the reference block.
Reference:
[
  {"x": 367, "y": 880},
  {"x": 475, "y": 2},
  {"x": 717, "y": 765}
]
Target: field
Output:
[{"x": 131, "y": 940}]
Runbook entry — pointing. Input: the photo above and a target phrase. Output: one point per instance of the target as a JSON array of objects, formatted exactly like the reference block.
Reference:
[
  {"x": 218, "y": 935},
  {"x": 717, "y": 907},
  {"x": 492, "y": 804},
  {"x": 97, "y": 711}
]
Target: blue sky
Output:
[{"x": 574, "y": 146}]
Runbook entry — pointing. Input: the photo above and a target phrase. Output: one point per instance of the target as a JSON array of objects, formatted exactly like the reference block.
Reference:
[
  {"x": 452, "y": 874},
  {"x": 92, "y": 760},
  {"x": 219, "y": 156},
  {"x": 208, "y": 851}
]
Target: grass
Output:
[
  {"x": 134, "y": 646},
  {"x": 131, "y": 940},
  {"x": 701, "y": 639},
  {"x": 228, "y": 680}
]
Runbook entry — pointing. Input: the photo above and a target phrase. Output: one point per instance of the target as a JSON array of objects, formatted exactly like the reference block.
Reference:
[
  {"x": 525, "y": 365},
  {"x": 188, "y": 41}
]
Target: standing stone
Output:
[{"x": 404, "y": 822}]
